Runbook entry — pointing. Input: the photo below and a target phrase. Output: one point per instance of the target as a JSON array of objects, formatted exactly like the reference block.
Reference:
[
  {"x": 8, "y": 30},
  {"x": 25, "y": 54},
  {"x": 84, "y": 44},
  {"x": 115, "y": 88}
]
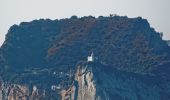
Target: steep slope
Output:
[
  {"x": 130, "y": 60},
  {"x": 91, "y": 82}
]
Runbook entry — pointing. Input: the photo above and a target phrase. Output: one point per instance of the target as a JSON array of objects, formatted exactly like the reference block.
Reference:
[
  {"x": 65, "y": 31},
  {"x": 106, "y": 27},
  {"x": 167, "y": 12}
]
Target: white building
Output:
[
  {"x": 34, "y": 88},
  {"x": 54, "y": 87},
  {"x": 90, "y": 58}
]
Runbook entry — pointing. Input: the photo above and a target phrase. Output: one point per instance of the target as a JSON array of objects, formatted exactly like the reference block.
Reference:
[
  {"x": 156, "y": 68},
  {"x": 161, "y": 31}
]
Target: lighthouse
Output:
[{"x": 90, "y": 58}]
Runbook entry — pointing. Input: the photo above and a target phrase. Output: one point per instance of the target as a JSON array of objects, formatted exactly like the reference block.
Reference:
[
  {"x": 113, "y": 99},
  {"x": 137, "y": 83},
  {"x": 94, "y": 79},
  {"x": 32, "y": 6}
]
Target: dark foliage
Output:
[{"x": 127, "y": 44}]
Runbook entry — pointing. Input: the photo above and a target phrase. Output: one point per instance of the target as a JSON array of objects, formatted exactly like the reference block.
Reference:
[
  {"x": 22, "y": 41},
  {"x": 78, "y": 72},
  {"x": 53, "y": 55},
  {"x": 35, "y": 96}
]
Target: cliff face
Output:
[
  {"x": 47, "y": 59},
  {"x": 93, "y": 82},
  {"x": 83, "y": 86}
]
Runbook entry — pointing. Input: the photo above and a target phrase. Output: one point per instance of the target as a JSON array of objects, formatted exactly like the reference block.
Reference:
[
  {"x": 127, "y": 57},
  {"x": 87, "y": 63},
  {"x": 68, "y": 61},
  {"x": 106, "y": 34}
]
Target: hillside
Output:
[{"x": 130, "y": 59}]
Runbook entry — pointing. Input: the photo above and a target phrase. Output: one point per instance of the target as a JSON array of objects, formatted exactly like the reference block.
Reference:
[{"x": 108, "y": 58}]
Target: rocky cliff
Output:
[
  {"x": 47, "y": 60},
  {"x": 91, "y": 82}
]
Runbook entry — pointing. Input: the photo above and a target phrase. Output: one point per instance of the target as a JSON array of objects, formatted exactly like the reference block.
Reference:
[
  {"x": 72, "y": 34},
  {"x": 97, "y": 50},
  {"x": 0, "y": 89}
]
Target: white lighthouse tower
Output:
[{"x": 90, "y": 58}]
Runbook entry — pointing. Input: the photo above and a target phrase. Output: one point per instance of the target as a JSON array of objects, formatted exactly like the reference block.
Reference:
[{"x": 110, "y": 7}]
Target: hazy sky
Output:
[{"x": 15, "y": 11}]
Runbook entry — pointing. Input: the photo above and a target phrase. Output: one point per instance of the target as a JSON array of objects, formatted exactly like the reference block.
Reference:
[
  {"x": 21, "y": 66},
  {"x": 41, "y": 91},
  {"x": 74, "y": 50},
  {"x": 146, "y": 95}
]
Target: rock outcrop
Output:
[
  {"x": 94, "y": 82},
  {"x": 83, "y": 87}
]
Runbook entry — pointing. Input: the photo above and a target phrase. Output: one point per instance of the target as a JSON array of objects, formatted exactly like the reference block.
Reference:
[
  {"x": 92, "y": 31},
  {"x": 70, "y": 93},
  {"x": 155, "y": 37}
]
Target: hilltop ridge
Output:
[{"x": 45, "y": 53}]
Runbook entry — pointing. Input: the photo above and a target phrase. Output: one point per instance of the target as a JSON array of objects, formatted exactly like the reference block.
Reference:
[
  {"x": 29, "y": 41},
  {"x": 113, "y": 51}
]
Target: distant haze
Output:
[{"x": 16, "y": 11}]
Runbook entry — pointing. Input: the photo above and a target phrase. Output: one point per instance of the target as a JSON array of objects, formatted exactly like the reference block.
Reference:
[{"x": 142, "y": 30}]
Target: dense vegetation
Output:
[{"x": 127, "y": 44}]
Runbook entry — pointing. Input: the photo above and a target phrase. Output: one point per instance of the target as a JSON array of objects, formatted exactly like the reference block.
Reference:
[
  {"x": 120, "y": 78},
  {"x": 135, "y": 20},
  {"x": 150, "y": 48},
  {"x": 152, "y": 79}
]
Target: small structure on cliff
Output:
[
  {"x": 90, "y": 58},
  {"x": 54, "y": 87},
  {"x": 34, "y": 88}
]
